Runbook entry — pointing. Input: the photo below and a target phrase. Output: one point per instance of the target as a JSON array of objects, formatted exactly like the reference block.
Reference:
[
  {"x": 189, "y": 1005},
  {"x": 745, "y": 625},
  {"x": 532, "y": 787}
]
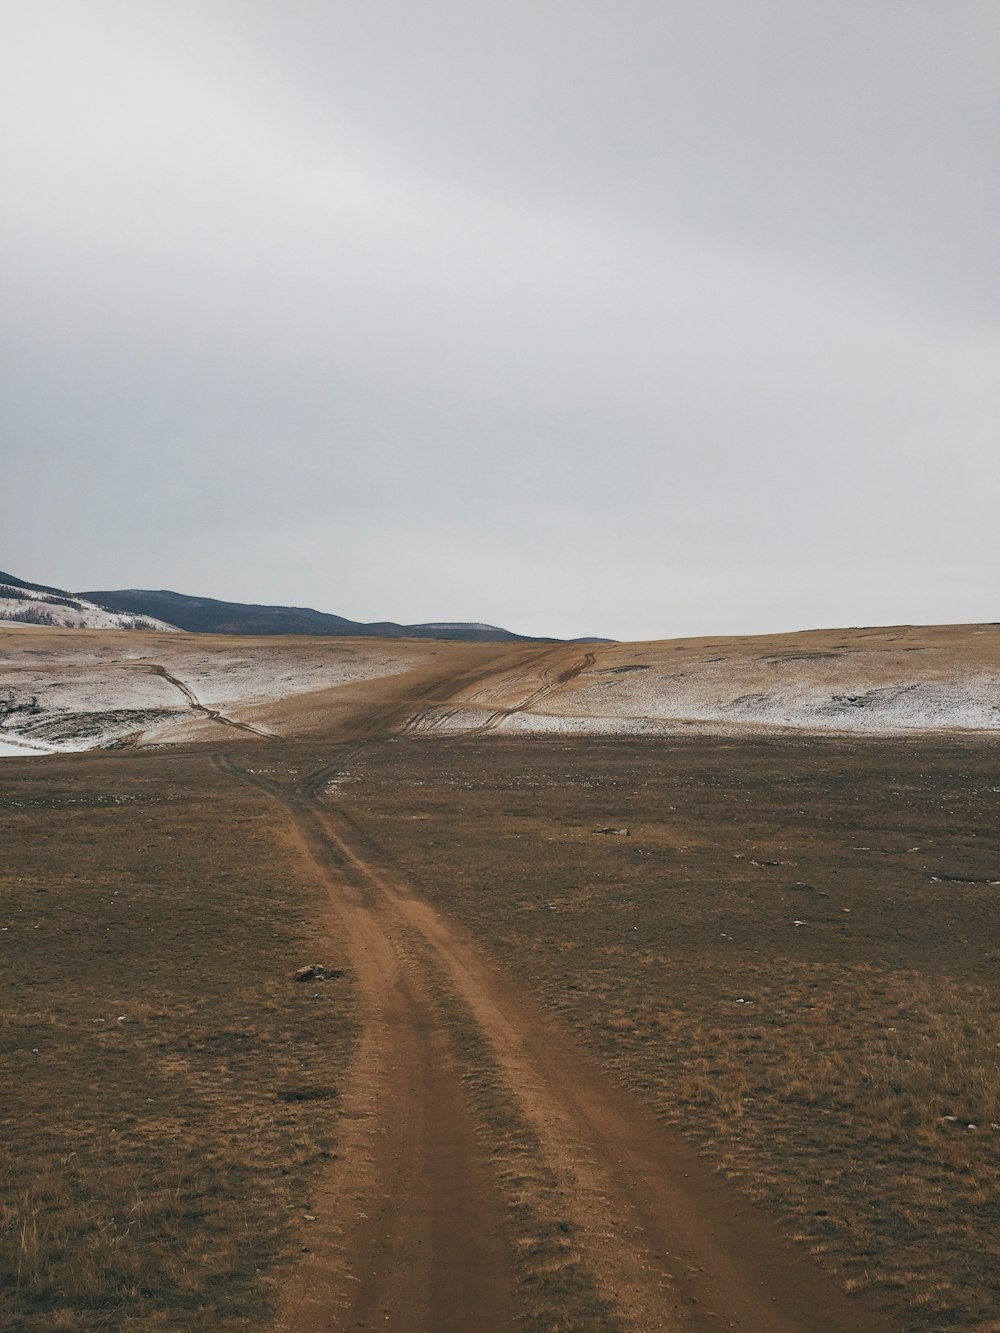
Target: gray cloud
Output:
[{"x": 639, "y": 319}]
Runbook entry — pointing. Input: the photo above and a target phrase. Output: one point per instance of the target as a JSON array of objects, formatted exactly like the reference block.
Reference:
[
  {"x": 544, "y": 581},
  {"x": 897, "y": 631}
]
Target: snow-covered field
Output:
[
  {"x": 740, "y": 698},
  {"x": 22, "y": 748},
  {"x": 855, "y": 681},
  {"x": 66, "y": 690},
  {"x": 34, "y": 606}
]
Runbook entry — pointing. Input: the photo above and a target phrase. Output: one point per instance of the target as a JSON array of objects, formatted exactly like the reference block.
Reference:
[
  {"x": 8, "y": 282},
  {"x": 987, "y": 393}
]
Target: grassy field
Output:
[
  {"x": 167, "y": 1091},
  {"x": 792, "y": 956}
]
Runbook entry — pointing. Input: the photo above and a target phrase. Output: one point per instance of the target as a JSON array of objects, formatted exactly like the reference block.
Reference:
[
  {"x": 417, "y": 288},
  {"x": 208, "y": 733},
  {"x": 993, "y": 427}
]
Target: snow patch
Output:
[
  {"x": 80, "y": 692},
  {"x": 32, "y": 606},
  {"x": 22, "y": 748},
  {"x": 910, "y": 681}
]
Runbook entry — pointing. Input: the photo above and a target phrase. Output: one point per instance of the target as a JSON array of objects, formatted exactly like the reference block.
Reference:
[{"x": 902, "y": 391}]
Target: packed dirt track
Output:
[
  {"x": 489, "y": 1139},
  {"x": 667, "y": 1246}
]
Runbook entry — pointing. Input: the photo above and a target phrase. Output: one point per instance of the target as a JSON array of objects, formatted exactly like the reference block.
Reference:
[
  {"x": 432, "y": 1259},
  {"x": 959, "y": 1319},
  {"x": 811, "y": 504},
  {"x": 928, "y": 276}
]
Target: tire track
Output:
[
  {"x": 670, "y": 1247},
  {"x": 668, "y": 1244},
  {"x": 401, "y": 714},
  {"x": 196, "y": 706},
  {"x": 548, "y": 686},
  {"x": 445, "y": 689},
  {"x": 408, "y": 1231}
]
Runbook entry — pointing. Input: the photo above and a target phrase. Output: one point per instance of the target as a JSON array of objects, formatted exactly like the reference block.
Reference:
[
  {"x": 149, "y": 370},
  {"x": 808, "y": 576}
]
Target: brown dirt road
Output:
[
  {"x": 408, "y": 1231},
  {"x": 196, "y": 706}
]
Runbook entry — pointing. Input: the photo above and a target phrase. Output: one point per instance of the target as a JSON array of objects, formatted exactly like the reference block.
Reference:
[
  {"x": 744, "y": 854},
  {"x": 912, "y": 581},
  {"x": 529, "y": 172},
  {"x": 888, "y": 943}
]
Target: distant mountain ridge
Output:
[
  {"x": 208, "y": 615},
  {"x": 144, "y": 608},
  {"x": 37, "y": 604}
]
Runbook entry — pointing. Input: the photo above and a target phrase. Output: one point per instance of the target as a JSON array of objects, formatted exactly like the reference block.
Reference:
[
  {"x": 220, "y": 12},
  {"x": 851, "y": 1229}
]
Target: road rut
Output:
[
  {"x": 409, "y": 1230},
  {"x": 196, "y": 706}
]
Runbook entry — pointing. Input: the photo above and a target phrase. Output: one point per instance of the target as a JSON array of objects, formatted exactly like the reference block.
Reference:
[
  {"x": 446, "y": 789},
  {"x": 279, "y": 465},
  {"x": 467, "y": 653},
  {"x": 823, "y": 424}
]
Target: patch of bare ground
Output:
[
  {"x": 792, "y": 957},
  {"x": 556, "y": 1286},
  {"x": 167, "y": 1093}
]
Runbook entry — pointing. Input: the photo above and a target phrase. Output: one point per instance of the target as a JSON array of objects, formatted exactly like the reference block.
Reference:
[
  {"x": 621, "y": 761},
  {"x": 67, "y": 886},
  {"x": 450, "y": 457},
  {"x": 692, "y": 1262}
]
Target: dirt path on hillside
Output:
[
  {"x": 196, "y": 706},
  {"x": 408, "y": 1229},
  {"x": 551, "y": 681}
]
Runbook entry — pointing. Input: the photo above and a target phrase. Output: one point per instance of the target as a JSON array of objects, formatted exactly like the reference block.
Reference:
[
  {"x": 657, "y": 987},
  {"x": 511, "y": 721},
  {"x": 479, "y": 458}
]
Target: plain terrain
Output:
[
  {"x": 792, "y": 956},
  {"x": 680, "y": 1031},
  {"x": 166, "y": 1092}
]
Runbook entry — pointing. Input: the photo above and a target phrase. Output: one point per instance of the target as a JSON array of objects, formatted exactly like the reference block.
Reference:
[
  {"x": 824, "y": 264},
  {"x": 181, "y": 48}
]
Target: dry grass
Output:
[
  {"x": 167, "y": 1092},
  {"x": 153, "y": 1168},
  {"x": 818, "y": 1064}
]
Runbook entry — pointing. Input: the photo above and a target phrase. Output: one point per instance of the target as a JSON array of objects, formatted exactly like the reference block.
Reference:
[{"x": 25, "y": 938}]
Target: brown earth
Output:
[{"x": 477, "y": 1126}]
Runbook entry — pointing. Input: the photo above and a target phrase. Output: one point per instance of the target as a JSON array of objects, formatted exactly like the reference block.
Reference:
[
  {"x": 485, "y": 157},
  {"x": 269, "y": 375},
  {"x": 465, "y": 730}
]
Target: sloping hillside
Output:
[
  {"x": 81, "y": 691},
  {"x": 905, "y": 678},
  {"x": 207, "y": 615},
  {"x": 36, "y": 604}
]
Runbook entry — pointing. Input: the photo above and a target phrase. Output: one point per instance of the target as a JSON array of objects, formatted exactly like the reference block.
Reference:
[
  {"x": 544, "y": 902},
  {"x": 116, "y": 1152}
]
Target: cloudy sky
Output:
[{"x": 629, "y": 317}]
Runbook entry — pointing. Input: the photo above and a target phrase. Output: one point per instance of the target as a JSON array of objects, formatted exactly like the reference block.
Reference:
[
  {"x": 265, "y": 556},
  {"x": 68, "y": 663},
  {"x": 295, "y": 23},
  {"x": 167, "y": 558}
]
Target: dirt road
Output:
[
  {"x": 196, "y": 706},
  {"x": 418, "y": 1226}
]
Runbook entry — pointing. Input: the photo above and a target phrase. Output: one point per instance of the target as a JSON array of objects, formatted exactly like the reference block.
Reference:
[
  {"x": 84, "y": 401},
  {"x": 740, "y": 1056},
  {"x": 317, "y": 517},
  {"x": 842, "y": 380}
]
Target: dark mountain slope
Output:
[
  {"x": 27, "y": 603},
  {"x": 206, "y": 615},
  {"x": 10, "y": 581}
]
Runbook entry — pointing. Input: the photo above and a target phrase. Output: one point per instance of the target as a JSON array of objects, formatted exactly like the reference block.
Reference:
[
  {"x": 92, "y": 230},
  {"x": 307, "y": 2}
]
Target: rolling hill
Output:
[
  {"x": 207, "y": 615},
  {"x": 37, "y": 604},
  {"x": 161, "y": 609}
]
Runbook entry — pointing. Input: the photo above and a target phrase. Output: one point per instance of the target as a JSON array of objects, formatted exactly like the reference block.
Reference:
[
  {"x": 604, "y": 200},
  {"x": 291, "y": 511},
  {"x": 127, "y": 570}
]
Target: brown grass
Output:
[
  {"x": 167, "y": 1092},
  {"x": 827, "y": 1094},
  {"x": 154, "y": 1168}
]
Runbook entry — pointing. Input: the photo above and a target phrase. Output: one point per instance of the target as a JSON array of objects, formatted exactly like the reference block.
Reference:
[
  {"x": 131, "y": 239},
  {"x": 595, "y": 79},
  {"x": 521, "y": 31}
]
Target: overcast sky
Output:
[{"x": 639, "y": 318}]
